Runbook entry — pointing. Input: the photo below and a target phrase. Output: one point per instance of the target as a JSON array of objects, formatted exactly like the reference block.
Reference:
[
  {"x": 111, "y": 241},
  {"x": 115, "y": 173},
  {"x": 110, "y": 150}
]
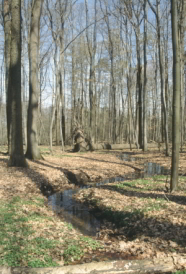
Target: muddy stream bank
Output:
[{"x": 82, "y": 217}]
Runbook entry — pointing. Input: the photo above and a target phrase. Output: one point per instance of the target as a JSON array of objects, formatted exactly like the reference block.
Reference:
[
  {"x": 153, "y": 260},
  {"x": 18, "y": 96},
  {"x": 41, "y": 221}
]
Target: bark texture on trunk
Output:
[
  {"x": 145, "y": 81},
  {"x": 16, "y": 150},
  {"x": 139, "y": 90},
  {"x": 7, "y": 38},
  {"x": 33, "y": 151},
  {"x": 176, "y": 98}
]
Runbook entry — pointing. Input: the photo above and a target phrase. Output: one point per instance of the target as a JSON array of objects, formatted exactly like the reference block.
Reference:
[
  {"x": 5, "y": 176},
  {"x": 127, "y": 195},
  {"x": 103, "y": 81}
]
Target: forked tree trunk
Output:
[
  {"x": 16, "y": 152},
  {"x": 33, "y": 151}
]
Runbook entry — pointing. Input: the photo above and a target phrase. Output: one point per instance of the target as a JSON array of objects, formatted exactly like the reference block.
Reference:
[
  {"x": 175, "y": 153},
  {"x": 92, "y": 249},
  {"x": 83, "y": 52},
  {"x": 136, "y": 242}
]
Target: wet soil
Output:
[
  {"x": 80, "y": 215},
  {"x": 87, "y": 220}
]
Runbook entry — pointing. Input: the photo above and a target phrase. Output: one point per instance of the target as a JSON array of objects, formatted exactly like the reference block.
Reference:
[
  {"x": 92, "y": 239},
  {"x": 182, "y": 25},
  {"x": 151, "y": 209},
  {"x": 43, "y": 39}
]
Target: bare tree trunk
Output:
[
  {"x": 92, "y": 53},
  {"x": 57, "y": 115},
  {"x": 51, "y": 125},
  {"x": 154, "y": 96},
  {"x": 7, "y": 37},
  {"x": 129, "y": 86},
  {"x": 176, "y": 98},
  {"x": 24, "y": 106},
  {"x": 33, "y": 151},
  {"x": 182, "y": 12},
  {"x": 113, "y": 92},
  {"x": 82, "y": 97},
  {"x": 73, "y": 92},
  {"x": 139, "y": 90},
  {"x": 63, "y": 10},
  {"x": 112, "y": 78},
  {"x": 166, "y": 73},
  {"x": 16, "y": 153},
  {"x": 164, "y": 107},
  {"x": 145, "y": 82}
]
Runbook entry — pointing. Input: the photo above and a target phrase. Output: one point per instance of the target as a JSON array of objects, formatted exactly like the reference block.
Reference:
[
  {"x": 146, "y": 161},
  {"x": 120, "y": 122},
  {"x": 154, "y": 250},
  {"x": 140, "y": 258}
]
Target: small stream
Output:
[{"x": 81, "y": 216}]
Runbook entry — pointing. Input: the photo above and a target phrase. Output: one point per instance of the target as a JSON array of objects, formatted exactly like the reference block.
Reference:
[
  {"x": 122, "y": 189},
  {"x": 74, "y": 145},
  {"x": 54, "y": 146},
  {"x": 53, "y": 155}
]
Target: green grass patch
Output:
[
  {"x": 182, "y": 178},
  {"x": 153, "y": 204},
  {"x": 141, "y": 185},
  {"x": 160, "y": 177},
  {"x": 89, "y": 242},
  {"x": 72, "y": 252},
  {"x": 147, "y": 203},
  {"x": 22, "y": 245},
  {"x": 18, "y": 243},
  {"x": 75, "y": 248},
  {"x": 69, "y": 226}
]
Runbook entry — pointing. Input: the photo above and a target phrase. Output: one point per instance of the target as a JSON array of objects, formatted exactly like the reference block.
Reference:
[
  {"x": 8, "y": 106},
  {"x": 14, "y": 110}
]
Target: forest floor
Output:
[{"x": 139, "y": 218}]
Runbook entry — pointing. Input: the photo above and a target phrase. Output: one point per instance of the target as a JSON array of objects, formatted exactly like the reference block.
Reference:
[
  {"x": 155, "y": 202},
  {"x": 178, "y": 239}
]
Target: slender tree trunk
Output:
[
  {"x": 113, "y": 93},
  {"x": 166, "y": 74},
  {"x": 92, "y": 53},
  {"x": 164, "y": 108},
  {"x": 82, "y": 97},
  {"x": 24, "y": 106},
  {"x": 145, "y": 82},
  {"x": 51, "y": 125},
  {"x": 14, "y": 85},
  {"x": 73, "y": 92},
  {"x": 155, "y": 118},
  {"x": 139, "y": 91},
  {"x": 176, "y": 98},
  {"x": 164, "y": 114},
  {"x": 33, "y": 151},
  {"x": 57, "y": 116},
  {"x": 181, "y": 43},
  {"x": 112, "y": 81}
]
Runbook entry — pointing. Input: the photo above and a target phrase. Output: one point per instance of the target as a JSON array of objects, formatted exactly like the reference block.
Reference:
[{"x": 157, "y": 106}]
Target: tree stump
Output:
[{"x": 82, "y": 143}]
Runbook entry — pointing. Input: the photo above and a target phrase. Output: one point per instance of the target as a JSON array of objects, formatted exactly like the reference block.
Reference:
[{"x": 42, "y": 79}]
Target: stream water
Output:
[{"x": 81, "y": 216}]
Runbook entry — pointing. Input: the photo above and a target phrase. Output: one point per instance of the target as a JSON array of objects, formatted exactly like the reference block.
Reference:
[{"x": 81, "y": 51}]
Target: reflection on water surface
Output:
[{"x": 78, "y": 214}]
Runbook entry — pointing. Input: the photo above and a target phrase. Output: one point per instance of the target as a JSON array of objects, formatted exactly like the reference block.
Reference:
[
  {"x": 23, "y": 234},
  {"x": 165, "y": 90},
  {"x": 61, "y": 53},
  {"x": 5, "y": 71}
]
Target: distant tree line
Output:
[{"x": 109, "y": 66}]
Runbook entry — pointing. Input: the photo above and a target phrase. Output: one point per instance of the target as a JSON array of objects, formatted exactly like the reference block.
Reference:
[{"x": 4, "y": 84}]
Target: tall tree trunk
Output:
[
  {"x": 7, "y": 38},
  {"x": 57, "y": 120},
  {"x": 164, "y": 115},
  {"x": 176, "y": 98},
  {"x": 139, "y": 90},
  {"x": 92, "y": 54},
  {"x": 164, "y": 107},
  {"x": 145, "y": 81},
  {"x": 14, "y": 85},
  {"x": 73, "y": 92},
  {"x": 63, "y": 10},
  {"x": 182, "y": 12},
  {"x": 113, "y": 93},
  {"x": 33, "y": 151},
  {"x": 51, "y": 125},
  {"x": 82, "y": 97},
  {"x": 112, "y": 97}
]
